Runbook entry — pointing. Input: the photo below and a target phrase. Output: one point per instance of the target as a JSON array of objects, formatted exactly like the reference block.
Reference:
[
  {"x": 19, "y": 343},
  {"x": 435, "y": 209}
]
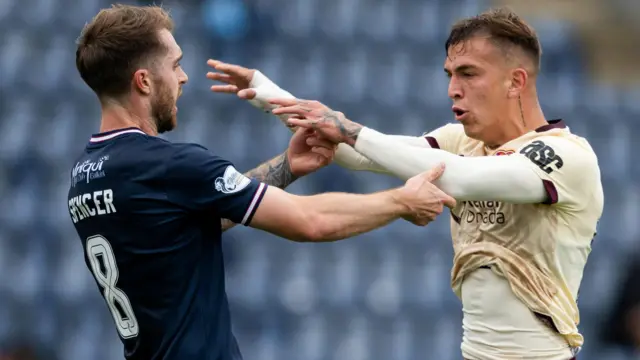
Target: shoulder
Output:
[
  {"x": 193, "y": 163},
  {"x": 449, "y": 137},
  {"x": 561, "y": 148},
  {"x": 188, "y": 151},
  {"x": 192, "y": 156}
]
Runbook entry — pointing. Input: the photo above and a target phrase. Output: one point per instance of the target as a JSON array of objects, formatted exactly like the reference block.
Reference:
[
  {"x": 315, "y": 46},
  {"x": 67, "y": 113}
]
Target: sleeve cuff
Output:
[
  {"x": 253, "y": 205},
  {"x": 432, "y": 142},
  {"x": 366, "y": 136},
  {"x": 552, "y": 192}
]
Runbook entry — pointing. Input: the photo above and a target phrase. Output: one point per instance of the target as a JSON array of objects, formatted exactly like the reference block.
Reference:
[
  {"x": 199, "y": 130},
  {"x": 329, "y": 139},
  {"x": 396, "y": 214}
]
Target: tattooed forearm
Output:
[
  {"x": 275, "y": 172},
  {"x": 348, "y": 128}
]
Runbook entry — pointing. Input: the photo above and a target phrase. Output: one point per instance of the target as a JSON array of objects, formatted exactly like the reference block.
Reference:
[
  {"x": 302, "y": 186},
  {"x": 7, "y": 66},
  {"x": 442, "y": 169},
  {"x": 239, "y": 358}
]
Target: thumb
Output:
[
  {"x": 247, "y": 94},
  {"x": 449, "y": 202},
  {"x": 434, "y": 173}
]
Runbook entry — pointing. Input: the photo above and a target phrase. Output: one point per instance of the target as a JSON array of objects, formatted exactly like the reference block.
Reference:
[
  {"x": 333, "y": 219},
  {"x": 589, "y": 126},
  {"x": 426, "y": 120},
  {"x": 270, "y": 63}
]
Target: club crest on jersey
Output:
[
  {"x": 504, "y": 152},
  {"x": 231, "y": 181}
]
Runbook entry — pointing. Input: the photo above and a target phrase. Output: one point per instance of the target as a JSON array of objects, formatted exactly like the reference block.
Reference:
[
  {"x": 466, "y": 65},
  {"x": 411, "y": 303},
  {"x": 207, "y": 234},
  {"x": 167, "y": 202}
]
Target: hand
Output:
[
  {"x": 237, "y": 79},
  {"x": 423, "y": 199},
  {"x": 332, "y": 125},
  {"x": 308, "y": 152}
]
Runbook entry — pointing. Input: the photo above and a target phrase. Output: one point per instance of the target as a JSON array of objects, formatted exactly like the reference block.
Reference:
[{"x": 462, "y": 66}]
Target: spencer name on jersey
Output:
[
  {"x": 91, "y": 204},
  {"x": 148, "y": 214}
]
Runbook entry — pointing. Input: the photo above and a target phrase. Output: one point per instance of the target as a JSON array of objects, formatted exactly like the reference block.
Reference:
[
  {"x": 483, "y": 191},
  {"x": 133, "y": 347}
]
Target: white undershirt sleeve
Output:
[
  {"x": 349, "y": 158},
  {"x": 498, "y": 178}
]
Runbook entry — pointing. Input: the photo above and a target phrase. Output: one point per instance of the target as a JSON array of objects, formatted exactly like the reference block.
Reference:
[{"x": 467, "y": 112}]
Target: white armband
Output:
[
  {"x": 499, "y": 178},
  {"x": 267, "y": 89}
]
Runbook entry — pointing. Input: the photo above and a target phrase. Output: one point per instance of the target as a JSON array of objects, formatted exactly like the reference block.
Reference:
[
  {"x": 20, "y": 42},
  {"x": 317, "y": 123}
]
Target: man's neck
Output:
[
  {"x": 115, "y": 116},
  {"x": 529, "y": 119}
]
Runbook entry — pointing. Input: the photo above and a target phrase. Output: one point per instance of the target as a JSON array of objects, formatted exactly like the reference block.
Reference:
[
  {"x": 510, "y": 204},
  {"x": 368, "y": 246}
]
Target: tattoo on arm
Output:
[
  {"x": 275, "y": 172},
  {"x": 348, "y": 129}
]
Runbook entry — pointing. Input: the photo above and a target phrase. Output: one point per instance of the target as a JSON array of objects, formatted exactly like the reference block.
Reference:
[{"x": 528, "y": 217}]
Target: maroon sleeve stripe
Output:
[
  {"x": 454, "y": 217},
  {"x": 552, "y": 192},
  {"x": 432, "y": 142}
]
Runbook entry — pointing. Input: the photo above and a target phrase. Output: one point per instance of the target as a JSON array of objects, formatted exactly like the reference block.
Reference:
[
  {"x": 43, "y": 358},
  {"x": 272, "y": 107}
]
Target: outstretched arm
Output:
[
  {"x": 199, "y": 181},
  {"x": 337, "y": 216},
  {"x": 503, "y": 178},
  {"x": 261, "y": 88},
  {"x": 256, "y": 88},
  {"x": 500, "y": 178}
]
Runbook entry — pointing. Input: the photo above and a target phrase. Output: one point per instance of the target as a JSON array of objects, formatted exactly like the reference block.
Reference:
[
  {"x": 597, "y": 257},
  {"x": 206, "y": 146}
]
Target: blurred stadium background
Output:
[{"x": 383, "y": 295}]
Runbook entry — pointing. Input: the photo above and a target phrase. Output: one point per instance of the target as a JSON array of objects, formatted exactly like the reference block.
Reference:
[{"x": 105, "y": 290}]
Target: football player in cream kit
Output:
[{"x": 529, "y": 191}]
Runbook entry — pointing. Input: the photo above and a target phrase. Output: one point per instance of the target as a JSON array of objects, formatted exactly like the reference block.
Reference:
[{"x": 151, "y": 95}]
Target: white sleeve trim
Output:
[
  {"x": 253, "y": 205},
  {"x": 499, "y": 178}
]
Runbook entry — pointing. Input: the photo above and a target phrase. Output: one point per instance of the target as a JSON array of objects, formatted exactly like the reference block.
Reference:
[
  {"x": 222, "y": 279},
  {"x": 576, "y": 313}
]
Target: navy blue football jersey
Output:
[{"x": 148, "y": 214}]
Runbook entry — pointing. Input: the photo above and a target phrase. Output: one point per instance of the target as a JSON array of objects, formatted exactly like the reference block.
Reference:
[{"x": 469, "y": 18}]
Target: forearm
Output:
[
  {"x": 500, "y": 178},
  {"x": 275, "y": 172},
  {"x": 337, "y": 216},
  {"x": 349, "y": 158}
]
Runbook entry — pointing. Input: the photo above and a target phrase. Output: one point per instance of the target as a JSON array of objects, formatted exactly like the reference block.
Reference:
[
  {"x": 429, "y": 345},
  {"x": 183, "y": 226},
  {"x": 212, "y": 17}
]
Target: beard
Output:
[{"x": 162, "y": 109}]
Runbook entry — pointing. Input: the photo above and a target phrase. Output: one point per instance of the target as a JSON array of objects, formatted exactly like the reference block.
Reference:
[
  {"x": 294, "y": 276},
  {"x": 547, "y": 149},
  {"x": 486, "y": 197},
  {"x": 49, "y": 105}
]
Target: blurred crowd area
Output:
[{"x": 380, "y": 296}]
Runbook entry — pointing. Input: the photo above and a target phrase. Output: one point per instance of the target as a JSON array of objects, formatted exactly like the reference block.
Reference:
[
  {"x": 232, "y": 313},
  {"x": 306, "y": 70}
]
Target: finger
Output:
[
  {"x": 247, "y": 94},
  {"x": 324, "y": 152},
  {"x": 321, "y": 142},
  {"x": 419, "y": 221},
  {"x": 306, "y": 132},
  {"x": 212, "y": 63},
  {"x": 304, "y": 123},
  {"x": 229, "y": 68},
  {"x": 293, "y": 109},
  {"x": 232, "y": 89},
  {"x": 221, "y": 77},
  {"x": 435, "y": 172},
  {"x": 284, "y": 102}
]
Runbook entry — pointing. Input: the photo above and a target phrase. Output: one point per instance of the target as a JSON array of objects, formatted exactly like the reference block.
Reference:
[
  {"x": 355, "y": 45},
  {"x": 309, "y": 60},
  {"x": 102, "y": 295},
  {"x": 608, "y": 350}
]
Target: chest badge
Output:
[{"x": 504, "y": 152}]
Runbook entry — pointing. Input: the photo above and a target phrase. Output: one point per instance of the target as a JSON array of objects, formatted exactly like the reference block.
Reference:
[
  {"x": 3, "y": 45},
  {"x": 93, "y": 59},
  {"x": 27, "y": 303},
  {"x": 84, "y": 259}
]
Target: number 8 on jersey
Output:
[{"x": 105, "y": 270}]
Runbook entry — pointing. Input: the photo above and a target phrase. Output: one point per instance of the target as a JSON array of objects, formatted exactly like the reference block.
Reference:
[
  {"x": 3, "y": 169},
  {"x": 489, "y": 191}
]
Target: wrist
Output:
[
  {"x": 397, "y": 197},
  {"x": 287, "y": 167},
  {"x": 364, "y": 134},
  {"x": 351, "y": 131},
  {"x": 259, "y": 79}
]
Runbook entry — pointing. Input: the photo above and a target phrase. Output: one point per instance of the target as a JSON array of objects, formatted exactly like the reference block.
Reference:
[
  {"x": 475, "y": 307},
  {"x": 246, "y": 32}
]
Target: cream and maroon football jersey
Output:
[{"x": 540, "y": 249}]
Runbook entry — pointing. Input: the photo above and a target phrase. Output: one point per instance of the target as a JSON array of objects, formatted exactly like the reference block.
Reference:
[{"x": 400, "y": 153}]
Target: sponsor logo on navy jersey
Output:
[{"x": 88, "y": 170}]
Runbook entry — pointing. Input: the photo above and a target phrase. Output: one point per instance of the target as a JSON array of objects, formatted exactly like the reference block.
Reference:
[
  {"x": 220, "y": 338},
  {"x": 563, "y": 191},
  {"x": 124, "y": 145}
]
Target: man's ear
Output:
[
  {"x": 519, "y": 79},
  {"x": 142, "y": 81}
]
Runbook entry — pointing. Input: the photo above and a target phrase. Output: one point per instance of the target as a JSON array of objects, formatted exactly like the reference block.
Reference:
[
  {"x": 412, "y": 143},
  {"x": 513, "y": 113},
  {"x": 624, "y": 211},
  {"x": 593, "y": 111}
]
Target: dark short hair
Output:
[
  {"x": 504, "y": 27},
  {"x": 116, "y": 43}
]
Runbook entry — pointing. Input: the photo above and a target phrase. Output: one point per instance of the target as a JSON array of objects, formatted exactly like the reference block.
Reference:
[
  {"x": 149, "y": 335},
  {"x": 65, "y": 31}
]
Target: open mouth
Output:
[{"x": 458, "y": 112}]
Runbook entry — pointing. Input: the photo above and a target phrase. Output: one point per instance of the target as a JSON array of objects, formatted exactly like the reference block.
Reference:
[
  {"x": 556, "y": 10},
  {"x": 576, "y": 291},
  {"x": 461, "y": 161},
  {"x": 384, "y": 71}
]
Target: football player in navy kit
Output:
[{"x": 150, "y": 212}]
